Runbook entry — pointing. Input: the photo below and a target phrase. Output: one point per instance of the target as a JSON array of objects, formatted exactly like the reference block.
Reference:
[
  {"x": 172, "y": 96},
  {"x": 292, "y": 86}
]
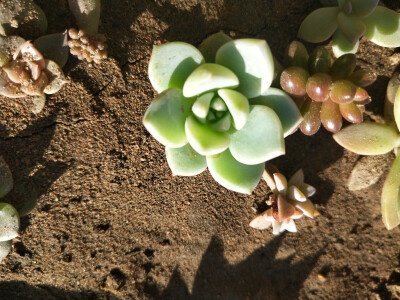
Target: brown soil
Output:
[{"x": 111, "y": 221}]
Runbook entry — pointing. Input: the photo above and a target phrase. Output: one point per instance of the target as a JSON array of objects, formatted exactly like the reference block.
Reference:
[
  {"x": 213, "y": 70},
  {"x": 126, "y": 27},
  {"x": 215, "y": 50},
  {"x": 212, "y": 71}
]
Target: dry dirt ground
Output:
[{"x": 111, "y": 221}]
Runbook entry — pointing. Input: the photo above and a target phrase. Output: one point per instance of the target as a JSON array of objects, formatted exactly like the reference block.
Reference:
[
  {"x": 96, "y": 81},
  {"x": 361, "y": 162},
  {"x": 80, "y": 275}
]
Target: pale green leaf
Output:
[
  {"x": 367, "y": 138},
  {"x": 184, "y": 161},
  {"x": 23, "y": 197},
  {"x": 211, "y": 44},
  {"x": 8, "y": 45},
  {"x": 233, "y": 175},
  {"x": 218, "y": 104},
  {"x": 261, "y": 139},
  {"x": 56, "y": 77},
  {"x": 165, "y": 118},
  {"x": 352, "y": 27},
  {"x": 390, "y": 200},
  {"x": 223, "y": 123},
  {"x": 340, "y": 44},
  {"x": 202, "y": 105},
  {"x": 284, "y": 106},
  {"x": 252, "y": 61},
  {"x": 319, "y": 25},
  {"x": 6, "y": 179},
  {"x": 5, "y": 248},
  {"x": 238, "y": 106},
  {"x": 54, "y": 47},
  {"x": 363, "y": 8},
  {"x": 396, "y": 110},
  {"x": 204, "y": 139},
  {"x": 87, "y": 14},
  {"x": 171, "y": 64},
  {"x": 9, "y": 222},
  {"x": 383, "y": 27},
  {"x": 208, "y": 77}
]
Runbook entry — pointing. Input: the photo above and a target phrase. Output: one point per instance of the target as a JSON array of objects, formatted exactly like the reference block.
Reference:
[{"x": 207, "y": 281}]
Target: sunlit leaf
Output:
[
  {"x": 6, "y": 179},
  {"x": 54, "y": 47},
  {"x": 233, "y": 175},
  {"x": 171, "y": 64},
  {"x": 340, "y": 44},
  {"x": 396, "y": 110},
  {"x": 56, "y": 77},
  {"x": 38, "y": 103},
  {"x": 5, "y": 248},
  {"x": 9, "y": 222},
  {"x": 165, "y": 118},
  {"x": 319, "y": 25},
  {"x": 87, "y": 14},
  {"x": 367, "y": 138},
  {"x": 252, "y": 62},
  {"x": 202, "y": 105},
  {"x": 390, "y": 196},
  {"x": 261, "y": 139},
  {"x": 184, "y": 161},
  {"x": 8, "y": 45},
  {"x": 238, "y": 106},
  {"x": 211, "y": 44}
]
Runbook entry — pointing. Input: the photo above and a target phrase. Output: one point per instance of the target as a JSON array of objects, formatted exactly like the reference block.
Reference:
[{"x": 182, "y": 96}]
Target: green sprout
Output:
[
  {"x": 375, "y": 139},
  {"x": 215, "y": 109},
  {"x": 9, "y": 217},
  {"x": 325, "y": 92},
  {"x": 289, "y": 201},
  {"x": 348, "y": 22}
]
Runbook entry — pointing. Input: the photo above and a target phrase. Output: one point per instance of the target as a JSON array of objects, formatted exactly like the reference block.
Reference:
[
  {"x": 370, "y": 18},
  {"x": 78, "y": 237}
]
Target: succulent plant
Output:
[
  {"x": 86, "y": 43},
  {"x": 374, "y": 139},
  {"x": 215, "y": 109},
  {"x": 9, "y": 217},
  {"x": 325, "y": 92},
  {"x": 348, "y": 22},
  {"x": 289, "y": 201}
]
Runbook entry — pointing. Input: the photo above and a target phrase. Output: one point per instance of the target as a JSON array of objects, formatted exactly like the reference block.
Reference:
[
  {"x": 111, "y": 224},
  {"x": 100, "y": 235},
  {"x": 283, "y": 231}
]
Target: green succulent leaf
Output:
[
  {"x": 223, "y": 123},
  {"x": 23, "y": 197},
  {"x": 9, "y": 222},
  {"x": 233, "y": 175},
  {"x": 367, "y": 138},
  {"x": 319, "y": 25},
  {"x": 6, "y": 179},
  {"x": 390, "y": 200},
  {"x": 165, "y": 118},
  {"x": 171, "y": 64},
  {"x": 202, "y": 105},
  {"x": 340, "y": 44},
  {"x": 352, "y": 27},
  {"x": 56, "y": 77},
  {"x": 296, "y": 55},
  {"x": 87, "y": 14},
  {"x": 5, "y": 248},
  {"x": 363, "y": 8},
  {"x": 238, "y": 106},
  {"x": 396, "y": 110},
  {"x": 204, "y": 139},
  {"x": 383, "y": 27},
  {"x": 210, "y": 45},
  {"x": 260, "y": 140},
  {"x": 252, "y": 61},
  {"x": 283, "y": 106},
  {"x": 8, "y": 45},
  {"x": 54, "y": 47},
  {"x": 184, "y": 161},
  {"x": 208, "y": 77}
]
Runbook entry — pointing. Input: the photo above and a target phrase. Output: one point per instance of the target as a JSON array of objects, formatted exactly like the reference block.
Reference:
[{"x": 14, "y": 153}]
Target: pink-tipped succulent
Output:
[
  {"x": 29, "y": 74},
  {"x": 91, "y": 49},
  {"x": 289, "y": 201}
]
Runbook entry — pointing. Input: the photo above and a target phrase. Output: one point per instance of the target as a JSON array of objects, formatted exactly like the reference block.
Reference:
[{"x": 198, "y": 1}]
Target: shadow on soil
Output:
[{"x": 259, "y": 276}]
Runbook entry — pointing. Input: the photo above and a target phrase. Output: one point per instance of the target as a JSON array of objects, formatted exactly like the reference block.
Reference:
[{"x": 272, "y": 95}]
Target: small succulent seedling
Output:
[
  {"x": 375, "y": 139},
  {"x": 86, "y": 43},
  {"x": 289, "y": 201},
  {"x": 9, "y": 217},
  {"x": 325, "y": 92},
  {"x": 348, "y": 22},
  {"x": 215, "y": 109}
]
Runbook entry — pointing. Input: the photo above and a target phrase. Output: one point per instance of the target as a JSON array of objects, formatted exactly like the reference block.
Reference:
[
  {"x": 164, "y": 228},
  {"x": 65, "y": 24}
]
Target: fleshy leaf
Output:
[
  {"x": 262, "y": 221},
  {"x": 233, "y": 175},
  {"x": 367, "y": 138},
  {"x": 238, "y": 106},
  {"x": 184, "y": 161},
  {"x": 211, "y": 44},
  {"x": 171, "y": 64},
  {"x": 6, "y": 179},
  {"x": 8, "y": 45},
  {"x": 8, "y": 88},
  {"x": 261, "y": 139},
  {"x": 340, "y": 44},
  {"x": 363, "y": 8},
  {"x": 87, "y": 14},
  {"x": 9, "y": 222},
  {"x": 297, "y": 178},
  {"x": 5, "y": 248},
  {"x": 38, "y": 103},
  {"x": 296, "y": 55},
  {"x": 56, "y": 77},
  {"x": 165, "y": 118},
  {"x": 54, "y": 47},
  {"x": 208, "y": 77},
  {"x": 204, "y": 139},
  {"x": 390, "y": 196},
  {"x": 252, "y": 62},
  {"x": 391, "y": 91},
  {"x": 307, "y": 207},
  {"x": 383, "y": 27},
  {"x": 223, "y": 123},
  {"x": 202, "y": 105},
  {"x": 319, "y": 25},
  {"x": 23, "y": 197},
  {"x": 352, "y": 27},
  {"x": 283, "y": 106},
  {"x": 396, "y": 110}
]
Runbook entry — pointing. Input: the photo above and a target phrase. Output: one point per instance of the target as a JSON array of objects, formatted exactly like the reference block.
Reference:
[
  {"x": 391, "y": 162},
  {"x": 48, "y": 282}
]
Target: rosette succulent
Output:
[
  {"x": 348, "y": 22},
  {"x": 376, "y": 138},
  {"x": 325, "y": 92},
  {"x": 289, "y": 201},
  {"x": 215, "y": 109}
]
